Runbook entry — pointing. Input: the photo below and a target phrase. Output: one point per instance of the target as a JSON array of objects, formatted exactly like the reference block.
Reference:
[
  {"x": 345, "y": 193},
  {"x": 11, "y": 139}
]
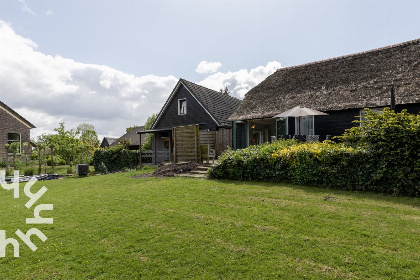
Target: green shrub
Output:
[
  {"x": 29, "y": 171},
  {"x": 57, "y": 160},
  {"x": 395, "y": 140},
  {"x": 324, "y": 164},
  {"x": 111, "y": 160}
]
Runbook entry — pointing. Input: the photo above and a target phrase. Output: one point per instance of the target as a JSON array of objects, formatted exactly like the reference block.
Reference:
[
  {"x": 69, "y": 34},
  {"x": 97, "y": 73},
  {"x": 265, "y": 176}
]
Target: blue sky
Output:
[{"x": 124, "y": 57}]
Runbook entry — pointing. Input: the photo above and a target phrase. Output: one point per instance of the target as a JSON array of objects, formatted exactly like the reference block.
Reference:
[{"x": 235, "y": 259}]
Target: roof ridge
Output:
[
  {"x": 338, "y": 58},
  {"x": 16, "y": 114},
  {"x": 218, "y": 92}
]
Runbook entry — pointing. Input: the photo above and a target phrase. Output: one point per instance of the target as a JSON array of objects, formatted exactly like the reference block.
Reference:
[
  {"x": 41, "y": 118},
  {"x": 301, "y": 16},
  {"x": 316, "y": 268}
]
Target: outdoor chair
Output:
[
  {"x": 207, "y": 153},
  {"x": 285, "y": 137},
  {"x": 299, "y": 138},
  {"x": 312, "y": 138}
]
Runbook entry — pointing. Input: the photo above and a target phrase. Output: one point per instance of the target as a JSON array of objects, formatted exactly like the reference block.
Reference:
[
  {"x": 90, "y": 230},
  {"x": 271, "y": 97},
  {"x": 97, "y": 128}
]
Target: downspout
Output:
[
  {"x": 392, "y": 98},
  {"x": 234, "y": 136}
]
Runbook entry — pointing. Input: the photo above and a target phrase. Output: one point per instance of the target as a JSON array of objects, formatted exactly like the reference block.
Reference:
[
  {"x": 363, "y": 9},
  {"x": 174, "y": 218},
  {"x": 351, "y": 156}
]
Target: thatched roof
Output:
[
  {"x": 353, "y": 81},
  {"x": 16, "y": 115}
]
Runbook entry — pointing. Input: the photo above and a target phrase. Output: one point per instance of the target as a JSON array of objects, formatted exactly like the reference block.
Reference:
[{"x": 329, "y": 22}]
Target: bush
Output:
[
  {"x": 253, "y": 163},
  {"x": 29, "y": 171},
  {"x": 2, "y": 163},
  {"x": 395, "y": 140},
  {"x": 57, "y": 160},
  {"x": 111, "y": 160},
  {"x": 325, "y": 164}
]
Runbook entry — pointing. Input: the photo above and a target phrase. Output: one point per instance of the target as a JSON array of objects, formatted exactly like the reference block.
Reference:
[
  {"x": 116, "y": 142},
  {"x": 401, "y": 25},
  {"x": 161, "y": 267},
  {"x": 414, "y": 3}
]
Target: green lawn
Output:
[{"x": 116, "y": 227}]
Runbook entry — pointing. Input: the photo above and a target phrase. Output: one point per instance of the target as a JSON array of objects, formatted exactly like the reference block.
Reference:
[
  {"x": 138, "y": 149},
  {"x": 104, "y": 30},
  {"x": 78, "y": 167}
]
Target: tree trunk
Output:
[{"x": 52, "y": 160}]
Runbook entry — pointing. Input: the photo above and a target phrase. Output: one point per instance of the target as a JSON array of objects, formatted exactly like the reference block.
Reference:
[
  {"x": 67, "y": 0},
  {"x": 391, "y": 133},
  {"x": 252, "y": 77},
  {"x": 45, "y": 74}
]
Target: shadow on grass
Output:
[{"x": 405, "y": 200}]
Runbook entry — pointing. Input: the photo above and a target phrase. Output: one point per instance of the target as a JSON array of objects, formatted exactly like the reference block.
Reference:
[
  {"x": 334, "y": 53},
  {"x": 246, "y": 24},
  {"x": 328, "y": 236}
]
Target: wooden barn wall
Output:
[
  {"x": 336, "y": 122},
  {"x": 195, "y": 113},
  {"x": 186, "y": 143},
  {"x": 411, "y": 108}
]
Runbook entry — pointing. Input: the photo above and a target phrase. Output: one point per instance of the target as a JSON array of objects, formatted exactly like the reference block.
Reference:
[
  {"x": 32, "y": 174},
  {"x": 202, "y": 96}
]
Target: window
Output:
[
  {"x": 304, "y": 125},
  {"x": 374, "y": 110},
  {"x": 182, "y": 106},
  {"x": 13, "y": 138}
]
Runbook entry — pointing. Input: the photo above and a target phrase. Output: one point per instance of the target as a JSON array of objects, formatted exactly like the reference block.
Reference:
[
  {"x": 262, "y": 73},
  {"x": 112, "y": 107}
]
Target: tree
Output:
[
  {"x": 40, "y": 151},
  {"x": 225, "y": 91},
  {"x": 65, "y": 142},
  {"x": 88, "y": 142},
  {"x": 128, "y": 129},
  {"x": 147, "y": 145}
]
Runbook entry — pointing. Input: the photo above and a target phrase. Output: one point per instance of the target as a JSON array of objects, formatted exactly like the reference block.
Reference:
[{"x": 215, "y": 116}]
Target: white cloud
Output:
[
  {"x": 25, "y": 7},
  {"x": 48, "y": 13},
  {"x": 47, "y": 90},
  {"x": 206, "y": 67},
  {"x": 240, "y": 82}
]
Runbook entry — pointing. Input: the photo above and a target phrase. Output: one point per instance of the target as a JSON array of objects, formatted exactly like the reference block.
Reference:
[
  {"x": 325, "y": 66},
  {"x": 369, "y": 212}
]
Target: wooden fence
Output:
[
  {"x": 186, "y": 143},
  {"x": 223, "y": 140},
  {"x": 150, "y": 158}
]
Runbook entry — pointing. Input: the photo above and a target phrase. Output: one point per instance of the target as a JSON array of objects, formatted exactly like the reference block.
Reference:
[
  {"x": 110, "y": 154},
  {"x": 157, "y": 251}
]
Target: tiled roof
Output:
[
  {"x": 220, "y": 105},
  {"x": 16, "y": 115}
]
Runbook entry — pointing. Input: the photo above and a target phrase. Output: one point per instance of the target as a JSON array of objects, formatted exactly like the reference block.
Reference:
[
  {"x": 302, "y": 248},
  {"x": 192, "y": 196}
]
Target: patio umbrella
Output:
[{"x": 299, "y": 111}]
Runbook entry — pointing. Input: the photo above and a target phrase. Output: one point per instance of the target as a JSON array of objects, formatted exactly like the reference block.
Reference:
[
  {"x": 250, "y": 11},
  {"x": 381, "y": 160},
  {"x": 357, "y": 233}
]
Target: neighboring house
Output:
[
  {"x": 192, "y": 116},
  {"x": 132, "y": 137},
  {"x": 341, "y": 87},
  {"x": 13, "y": 128},
  {"x": 107, "y": 141}
]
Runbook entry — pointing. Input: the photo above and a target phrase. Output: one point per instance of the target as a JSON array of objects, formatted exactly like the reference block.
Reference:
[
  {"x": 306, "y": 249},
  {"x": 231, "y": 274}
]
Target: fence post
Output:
[{"x": 140, "y": 153}]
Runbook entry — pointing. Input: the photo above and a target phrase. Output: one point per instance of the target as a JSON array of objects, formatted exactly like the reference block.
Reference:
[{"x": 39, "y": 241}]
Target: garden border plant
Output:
[{"x": 381, "y": 155}]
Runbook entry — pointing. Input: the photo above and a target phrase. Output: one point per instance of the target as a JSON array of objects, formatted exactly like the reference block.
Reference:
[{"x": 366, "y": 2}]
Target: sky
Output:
[{"x": 113, "y": 63}]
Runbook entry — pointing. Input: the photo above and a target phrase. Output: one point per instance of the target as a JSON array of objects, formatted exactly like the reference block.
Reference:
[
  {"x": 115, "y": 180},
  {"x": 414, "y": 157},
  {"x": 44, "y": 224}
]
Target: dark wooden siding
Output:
[
  {"x": 195, "y": 113},
  {"x": 336, "y": 122},
  {"x": 411, "y": 108}
]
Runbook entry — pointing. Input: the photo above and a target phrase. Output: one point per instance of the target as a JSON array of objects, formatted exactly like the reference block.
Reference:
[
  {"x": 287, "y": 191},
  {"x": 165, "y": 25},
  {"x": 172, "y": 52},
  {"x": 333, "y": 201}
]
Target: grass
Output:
[{"x": 117, "y": 227}]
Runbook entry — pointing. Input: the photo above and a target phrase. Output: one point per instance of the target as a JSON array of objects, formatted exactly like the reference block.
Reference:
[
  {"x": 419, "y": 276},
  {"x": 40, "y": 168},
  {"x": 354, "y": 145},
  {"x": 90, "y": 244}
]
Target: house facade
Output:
[
  {"x": 13, "y": 128},
  {"x": 342, "y": 87},
  {"x": 191, "y": 107}
]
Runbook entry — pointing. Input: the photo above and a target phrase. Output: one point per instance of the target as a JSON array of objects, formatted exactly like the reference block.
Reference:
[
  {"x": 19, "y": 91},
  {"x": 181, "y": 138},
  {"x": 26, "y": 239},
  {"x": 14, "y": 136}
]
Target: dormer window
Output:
[{"x": 182, "y": 106}]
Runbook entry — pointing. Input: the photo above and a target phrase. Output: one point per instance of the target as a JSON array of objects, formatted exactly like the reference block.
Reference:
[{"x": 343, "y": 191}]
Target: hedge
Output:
[
  {"x": 112, "y": 160},
  {"x": 324, "y": 164}
]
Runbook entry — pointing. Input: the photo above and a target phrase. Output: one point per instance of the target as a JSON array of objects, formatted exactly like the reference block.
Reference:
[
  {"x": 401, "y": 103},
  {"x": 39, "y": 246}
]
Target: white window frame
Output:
[{"x": 180, "y": 102}]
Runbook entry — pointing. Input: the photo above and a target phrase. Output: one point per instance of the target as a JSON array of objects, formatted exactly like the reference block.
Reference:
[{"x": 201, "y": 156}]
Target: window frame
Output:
[
  {"x": 181, "y": 107},
  {"x": 12, "y": 141},
  {"x": 362, "y": 113}
]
